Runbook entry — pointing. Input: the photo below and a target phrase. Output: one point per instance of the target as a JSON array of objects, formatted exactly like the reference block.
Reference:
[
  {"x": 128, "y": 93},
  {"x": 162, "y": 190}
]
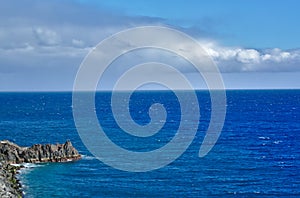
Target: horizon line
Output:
[{"x": 109, "y": 90}]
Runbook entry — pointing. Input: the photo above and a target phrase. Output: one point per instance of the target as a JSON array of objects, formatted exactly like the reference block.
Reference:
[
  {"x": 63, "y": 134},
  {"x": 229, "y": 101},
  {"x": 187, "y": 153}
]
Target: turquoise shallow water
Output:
[{"x": 257, "y": 154}]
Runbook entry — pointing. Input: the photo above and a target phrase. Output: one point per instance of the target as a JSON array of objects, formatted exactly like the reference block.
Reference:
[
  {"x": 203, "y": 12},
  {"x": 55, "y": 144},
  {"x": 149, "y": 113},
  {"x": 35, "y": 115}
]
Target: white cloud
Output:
[
  {"x": 32, "y": 36},
  {"x": 64, "y": 33},
  {"x": 78, "y": 43},
  {"x": 237, "y": 59},
  {"x": 46, "y": 36},
  {"x": 248, "y": 56},
  {"x": 59, "y": 38}
]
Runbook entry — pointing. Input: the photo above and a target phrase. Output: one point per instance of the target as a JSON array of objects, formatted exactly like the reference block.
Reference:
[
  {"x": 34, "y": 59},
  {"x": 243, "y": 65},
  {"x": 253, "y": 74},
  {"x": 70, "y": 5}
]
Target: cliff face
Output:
[
  {"x": 14, "y": 154},
  {"x": 10, "y": 186}
]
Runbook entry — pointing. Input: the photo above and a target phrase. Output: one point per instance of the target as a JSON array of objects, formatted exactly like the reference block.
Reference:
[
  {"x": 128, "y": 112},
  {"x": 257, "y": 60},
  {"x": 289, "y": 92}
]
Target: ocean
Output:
[{"x": 257, "y": 154}]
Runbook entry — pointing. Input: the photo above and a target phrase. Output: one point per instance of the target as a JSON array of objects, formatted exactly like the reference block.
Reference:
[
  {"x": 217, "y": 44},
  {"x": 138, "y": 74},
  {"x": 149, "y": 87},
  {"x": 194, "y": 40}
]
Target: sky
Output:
[{"x": 255, "y": 44}]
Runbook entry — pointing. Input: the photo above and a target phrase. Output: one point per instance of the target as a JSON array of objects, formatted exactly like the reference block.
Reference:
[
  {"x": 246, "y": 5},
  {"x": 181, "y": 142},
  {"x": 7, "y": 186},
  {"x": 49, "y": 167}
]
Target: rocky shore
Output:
[{"x": 12, "y": 156}]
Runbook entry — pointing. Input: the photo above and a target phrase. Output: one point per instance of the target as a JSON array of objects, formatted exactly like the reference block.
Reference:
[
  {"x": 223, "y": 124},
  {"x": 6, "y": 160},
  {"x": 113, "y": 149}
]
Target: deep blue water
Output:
[{"x": 257, "y": 154}]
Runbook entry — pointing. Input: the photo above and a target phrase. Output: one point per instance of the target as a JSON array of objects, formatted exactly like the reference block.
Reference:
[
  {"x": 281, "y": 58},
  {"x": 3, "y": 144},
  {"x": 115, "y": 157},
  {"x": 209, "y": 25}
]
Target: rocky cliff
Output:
[
  {"x": 12, "y": 154},
  {"x": 10, "y": 186}
]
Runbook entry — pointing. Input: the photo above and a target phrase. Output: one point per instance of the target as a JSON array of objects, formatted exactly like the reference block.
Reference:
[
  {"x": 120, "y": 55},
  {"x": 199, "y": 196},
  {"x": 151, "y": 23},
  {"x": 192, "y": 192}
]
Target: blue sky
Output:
[
  {"x": 255, "y": 23},
  {"x": 255, "y": 43}
]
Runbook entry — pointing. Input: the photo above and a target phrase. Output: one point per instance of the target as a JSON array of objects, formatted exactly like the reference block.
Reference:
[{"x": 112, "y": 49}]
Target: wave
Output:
[
  {"x": 27, "y": 167},
  {"x": 87, "y": 157},
  {"x": 264, "y": 138},
  {"x": 277, "y": 141},
  {"x": 31, "y": 165}
]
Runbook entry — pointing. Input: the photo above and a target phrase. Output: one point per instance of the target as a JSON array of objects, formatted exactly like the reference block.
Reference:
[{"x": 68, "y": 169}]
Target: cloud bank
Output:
[
  {"x": 237, "y": 59},
  {"x": 47, "y": 40}
]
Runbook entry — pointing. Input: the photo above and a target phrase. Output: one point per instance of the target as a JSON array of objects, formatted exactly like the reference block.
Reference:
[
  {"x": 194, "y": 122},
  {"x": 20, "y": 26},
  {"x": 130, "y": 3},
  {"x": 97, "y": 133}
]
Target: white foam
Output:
[
  {"x": 264, "y": 138},
  {"x": 31, "y": 165},
  {"x": 16, "y": 165},
  {"x": 27, "y": 167},
  {"x": 277, "y": 141},
  {"x": 86, "y": 157}
]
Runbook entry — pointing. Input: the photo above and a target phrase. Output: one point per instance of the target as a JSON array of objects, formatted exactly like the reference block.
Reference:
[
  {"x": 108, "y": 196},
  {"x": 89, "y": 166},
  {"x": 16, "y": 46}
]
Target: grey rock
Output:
[
  {"x": 11, "y": 154},
  {"x": 14, "y": 154}
]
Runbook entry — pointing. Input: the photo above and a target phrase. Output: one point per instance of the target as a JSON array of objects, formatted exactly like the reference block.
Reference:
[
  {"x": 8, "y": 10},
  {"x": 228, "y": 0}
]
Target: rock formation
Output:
[
  {"x": 12, "y": 154},
  {"x": 10, "y": 186}
]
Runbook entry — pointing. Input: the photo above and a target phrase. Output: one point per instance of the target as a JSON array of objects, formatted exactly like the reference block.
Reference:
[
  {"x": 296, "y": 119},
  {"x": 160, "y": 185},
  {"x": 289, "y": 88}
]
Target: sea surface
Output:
[{"x": 257, "y": 154}]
